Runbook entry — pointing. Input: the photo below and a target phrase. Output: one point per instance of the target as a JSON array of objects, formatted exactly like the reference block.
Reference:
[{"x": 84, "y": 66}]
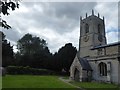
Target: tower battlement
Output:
[{"x": 91, "y": 15}]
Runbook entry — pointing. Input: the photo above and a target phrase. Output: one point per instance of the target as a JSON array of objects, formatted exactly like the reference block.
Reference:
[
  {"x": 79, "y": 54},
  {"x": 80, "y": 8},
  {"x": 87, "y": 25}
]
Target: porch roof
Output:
[{"x": 84, "y": 63}]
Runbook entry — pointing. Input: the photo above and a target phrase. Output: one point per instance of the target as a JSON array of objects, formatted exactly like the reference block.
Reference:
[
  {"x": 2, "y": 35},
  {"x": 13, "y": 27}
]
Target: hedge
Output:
[{"x": 28, "y": 70}]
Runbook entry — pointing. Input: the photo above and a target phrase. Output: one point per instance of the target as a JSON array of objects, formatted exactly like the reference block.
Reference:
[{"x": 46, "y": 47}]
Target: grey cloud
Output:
[
  {"x": 59, "y": 16},
  {"x": 72, "y": 10},
  {"x": 119, "y": 16},
  {"x": 12, "y": 34}
]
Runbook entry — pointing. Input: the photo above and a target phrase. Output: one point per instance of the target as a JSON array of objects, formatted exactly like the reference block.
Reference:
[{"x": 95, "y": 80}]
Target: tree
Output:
[
  {"x": 7, "y": 52},
  {"x": 31, "y": 45},
  {"x": 6, "y": 5},
  {"x": 33, "y": 51},
  {"x": 65, "y": 56}
]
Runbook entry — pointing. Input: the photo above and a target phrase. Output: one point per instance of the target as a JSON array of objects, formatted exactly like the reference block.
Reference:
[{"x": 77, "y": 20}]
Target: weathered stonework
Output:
[{"x": 103, "y": 58}]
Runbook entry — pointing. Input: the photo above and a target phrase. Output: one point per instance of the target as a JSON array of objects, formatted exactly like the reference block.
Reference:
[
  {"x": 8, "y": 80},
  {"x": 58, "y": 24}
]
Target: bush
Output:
[{"x": 27, "y": 70}]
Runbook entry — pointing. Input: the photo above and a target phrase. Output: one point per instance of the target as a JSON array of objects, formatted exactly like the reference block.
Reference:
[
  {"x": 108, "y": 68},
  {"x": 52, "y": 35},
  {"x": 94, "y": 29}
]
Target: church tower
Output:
[{"x": 92, "y": 34}]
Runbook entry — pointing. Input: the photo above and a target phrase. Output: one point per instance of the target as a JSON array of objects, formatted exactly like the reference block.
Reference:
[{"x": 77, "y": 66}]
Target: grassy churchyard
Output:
[
  {"x": 48, "y": 81},
  {"x": 0, "y": 82},
  {"x": 95, "y": 85},
  {"x": 33, "y": 81}
]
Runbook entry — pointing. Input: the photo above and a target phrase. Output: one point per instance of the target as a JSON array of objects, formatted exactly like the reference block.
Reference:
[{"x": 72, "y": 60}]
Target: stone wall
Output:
[
  {"x": 85, "y": 51},
  {"x": 94, "y": 66},
  {"x": 84, "y": 75},
  {"x": 0, "y": 52},
  {"x": 119, "y": 73},
  {"x": 112, "y": 76},
  {"x": 105, "y": 51},
  {"x": 74, "y": 65},
  {"x": 112, "y": 50}
]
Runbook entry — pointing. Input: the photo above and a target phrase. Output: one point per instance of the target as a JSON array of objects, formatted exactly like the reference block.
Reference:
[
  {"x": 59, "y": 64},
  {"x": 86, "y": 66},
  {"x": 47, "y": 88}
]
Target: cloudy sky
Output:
[{"x": 58, "y": 22}]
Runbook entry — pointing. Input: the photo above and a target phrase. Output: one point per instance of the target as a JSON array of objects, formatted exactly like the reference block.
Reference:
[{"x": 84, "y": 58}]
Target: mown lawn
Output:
[
  {"x": 30, "y": 81},
  {"x": 34, "y": 81},
  {"x": 0, "y": 82},
  {"x": 95, "y": 85}
]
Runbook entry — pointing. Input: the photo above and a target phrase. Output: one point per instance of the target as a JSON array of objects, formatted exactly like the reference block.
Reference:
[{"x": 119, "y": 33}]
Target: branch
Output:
[{"x": 4, "y": 24}]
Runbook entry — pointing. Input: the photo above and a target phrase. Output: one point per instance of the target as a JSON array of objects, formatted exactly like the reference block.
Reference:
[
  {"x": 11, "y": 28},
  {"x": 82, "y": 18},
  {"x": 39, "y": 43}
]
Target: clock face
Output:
[
  {"x": 86, "y": 38},
  {"x": 100, "y": 38}
]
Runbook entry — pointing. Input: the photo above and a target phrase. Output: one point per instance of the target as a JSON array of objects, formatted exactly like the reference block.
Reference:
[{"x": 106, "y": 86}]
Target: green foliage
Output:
[
  {"x": 30, "y": 45},
  {"x": 5, "y": 25},
  {"x": 27, "y": 70},
  {"x": 64, "y": 58},
  {"x": 6, "y": 5},
  {"x": 33, "y": 52},
  {"x": 32, "y": 81},
  {"x": 7, "y": 52}
]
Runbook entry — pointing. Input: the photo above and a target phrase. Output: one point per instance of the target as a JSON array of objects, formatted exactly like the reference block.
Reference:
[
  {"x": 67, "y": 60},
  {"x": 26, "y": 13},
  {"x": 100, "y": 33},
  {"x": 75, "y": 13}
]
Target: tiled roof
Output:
[{"x": 84, "y": 63}]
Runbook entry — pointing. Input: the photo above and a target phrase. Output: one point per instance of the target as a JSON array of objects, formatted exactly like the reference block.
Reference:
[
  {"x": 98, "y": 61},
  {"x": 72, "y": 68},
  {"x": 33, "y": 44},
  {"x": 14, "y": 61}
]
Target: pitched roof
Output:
[
  {"x": 107, "y": 45},
  {"x": 84, "y": 63}
]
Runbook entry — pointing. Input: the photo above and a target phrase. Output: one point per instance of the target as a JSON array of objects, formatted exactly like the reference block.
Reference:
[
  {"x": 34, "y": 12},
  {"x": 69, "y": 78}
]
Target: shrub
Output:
[{"x": 28, "y": 70}]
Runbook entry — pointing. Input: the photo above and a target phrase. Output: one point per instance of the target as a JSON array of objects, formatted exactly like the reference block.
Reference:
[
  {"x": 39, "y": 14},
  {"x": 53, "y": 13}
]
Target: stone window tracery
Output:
[{"x": 103, "y": 69}]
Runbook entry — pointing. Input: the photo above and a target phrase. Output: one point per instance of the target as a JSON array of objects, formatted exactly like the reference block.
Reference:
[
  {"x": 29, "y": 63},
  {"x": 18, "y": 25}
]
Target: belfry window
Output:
[
  {"x": 103, "y": 69},
  {"x": 86, "y": 28},
  {"x": 99, "y": 31}
]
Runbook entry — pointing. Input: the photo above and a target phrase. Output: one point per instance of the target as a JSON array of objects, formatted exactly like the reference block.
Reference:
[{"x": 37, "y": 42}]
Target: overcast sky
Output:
[{"x": 58, "y": 22}]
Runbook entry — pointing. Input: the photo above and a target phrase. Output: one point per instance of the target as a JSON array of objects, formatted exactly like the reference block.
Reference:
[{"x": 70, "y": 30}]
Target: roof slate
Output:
[{"x": 84, "y": 63}]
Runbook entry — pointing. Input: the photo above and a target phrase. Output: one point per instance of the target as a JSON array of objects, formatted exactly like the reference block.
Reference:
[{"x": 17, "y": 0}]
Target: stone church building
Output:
[{"x": 96, "y": 60}]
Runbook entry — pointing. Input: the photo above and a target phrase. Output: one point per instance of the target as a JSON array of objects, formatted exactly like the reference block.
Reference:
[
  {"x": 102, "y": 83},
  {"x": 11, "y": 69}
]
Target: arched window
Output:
[
  {"x": 99, "y": 26},
  {"x": 103, "y": 69},
  {"x": 86, "y": 28}
]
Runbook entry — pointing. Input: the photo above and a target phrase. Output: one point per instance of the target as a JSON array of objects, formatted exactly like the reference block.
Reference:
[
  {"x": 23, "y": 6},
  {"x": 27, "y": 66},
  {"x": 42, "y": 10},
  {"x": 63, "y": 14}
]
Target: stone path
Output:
[{"x": 68, "y": 82}]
